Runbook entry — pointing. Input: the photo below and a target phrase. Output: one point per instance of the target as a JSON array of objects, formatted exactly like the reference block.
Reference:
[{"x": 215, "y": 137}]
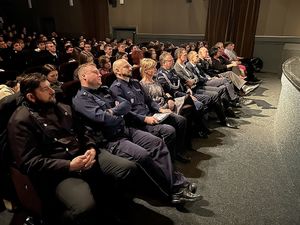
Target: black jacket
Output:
[{"x": 43, "y": 140}]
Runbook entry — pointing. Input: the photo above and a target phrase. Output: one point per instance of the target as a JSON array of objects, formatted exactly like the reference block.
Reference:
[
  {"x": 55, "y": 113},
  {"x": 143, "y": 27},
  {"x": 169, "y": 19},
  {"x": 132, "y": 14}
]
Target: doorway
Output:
[{"x": 124, "y": 33}]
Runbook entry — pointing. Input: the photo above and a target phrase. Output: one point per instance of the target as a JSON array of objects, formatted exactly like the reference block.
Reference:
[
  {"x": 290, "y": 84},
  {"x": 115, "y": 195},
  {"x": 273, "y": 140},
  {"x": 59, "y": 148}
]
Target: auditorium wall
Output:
[
  {"x": 279, "y": 18},
  {"x": 276, "y": 17},
  {"x": 278, "y": 26},
  {"x": 173, "y": 20},
  {"x": 161, "y": 17}
]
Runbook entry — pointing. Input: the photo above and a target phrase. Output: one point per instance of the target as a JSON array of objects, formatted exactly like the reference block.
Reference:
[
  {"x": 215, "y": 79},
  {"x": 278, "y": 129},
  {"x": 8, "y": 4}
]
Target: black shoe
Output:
[
  {"x": 257, "y": 80},
  {"x": 183, "y": 158},
  {"x": 229, "y": 124},
  {"x": 237, "y": 112},
  {"x": 247, "y": 89},
  {"x": 235, "y": 104},
  {"x": 253, "y": 82},
  {"x": 192, "y": 187},
  {"x": 245, "y": 101},
  {"x": 230, "y": 113},
  {"x": 190, "y": 148},
  {"x": 208, "y": 131},
  {"x": 202, "y": 134},
  {"x": 185, "y": 195}
]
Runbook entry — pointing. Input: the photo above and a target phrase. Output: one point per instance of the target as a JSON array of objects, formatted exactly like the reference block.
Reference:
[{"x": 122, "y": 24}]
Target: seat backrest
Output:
[
  {"x": 7, "y": 75},
  {"x": 26, "y": 193},
  {"x": 7, "y": 106},
  {"x": 66, "y": 71},
  {"x": 70, "y": 89}
]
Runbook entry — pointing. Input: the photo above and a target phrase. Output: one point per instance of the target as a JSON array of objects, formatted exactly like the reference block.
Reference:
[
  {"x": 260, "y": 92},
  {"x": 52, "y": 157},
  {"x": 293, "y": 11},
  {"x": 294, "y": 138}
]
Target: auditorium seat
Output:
[
  {"x": 7, "y": 75},
  {"x": 66, "y": 71}
]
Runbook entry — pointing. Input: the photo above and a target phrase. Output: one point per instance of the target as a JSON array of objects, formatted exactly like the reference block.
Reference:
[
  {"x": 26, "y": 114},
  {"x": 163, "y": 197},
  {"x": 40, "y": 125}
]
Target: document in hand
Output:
[{"x": 161, "y": 116}]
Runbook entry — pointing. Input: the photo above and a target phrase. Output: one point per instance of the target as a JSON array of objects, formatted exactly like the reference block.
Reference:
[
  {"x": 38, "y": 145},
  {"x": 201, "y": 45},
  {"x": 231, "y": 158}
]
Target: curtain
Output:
[
  {"x": 95, "y": 18},
  {"x": 233, "y": 20}
]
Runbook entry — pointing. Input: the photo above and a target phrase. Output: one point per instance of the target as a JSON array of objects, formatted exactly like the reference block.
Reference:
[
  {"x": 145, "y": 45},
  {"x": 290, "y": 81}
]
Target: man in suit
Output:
[
  {"x": 51, "y": 54},
  {"x": 211, "y": 96},
  {"x": 205, "y": 81}
]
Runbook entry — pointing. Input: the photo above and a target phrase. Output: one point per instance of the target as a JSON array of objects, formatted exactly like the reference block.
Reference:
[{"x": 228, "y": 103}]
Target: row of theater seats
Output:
[
  {"x": 66, "y": 71},
  {"x": 7, "y": 75}
]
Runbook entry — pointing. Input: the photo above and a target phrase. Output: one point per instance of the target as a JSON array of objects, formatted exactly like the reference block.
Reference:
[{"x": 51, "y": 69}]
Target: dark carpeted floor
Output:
[{"x": 240, "y": 173}]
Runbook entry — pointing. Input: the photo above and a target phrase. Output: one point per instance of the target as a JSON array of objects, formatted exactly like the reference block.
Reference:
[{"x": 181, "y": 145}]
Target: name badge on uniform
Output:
[{"x": 132, "y": 100}]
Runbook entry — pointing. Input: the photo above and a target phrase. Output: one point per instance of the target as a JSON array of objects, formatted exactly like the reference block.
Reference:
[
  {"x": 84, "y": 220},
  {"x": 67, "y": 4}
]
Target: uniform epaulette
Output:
[
  {"x": 159, "y": 77},
  {"x": 117, "y": 83},
  {"x": 84, "y": 93},
  {"x": 135, "y": 80},
  {"x": 105, "y": 89}
]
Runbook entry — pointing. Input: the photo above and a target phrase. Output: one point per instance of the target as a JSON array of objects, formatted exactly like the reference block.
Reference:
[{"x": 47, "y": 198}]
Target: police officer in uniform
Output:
[
  {"x": 143, "y": 108},
  {"x": 105, "y": 113}
]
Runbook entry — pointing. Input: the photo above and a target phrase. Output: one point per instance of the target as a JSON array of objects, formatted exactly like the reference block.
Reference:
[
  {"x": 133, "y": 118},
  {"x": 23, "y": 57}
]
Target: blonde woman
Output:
[{"x": 181, "y": 105}]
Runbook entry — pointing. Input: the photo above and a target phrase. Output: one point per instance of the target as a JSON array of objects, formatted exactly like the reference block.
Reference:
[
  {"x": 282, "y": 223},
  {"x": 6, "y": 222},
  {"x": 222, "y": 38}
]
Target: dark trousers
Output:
[
  {"x": 195, "y": 122},
  {"x": 250, "y": 69},
  {"x": 165, "y": 132},
  {"x": 212, "y": 101},
  {"x": 217, "y": 82},
  {"x": 172, "y": 131},
  {"x": 79, "y": 196},
  {"x": 151, "y": 154},
  {"x": 222, "y": 93},
  {"x": 180, "y": 124}
]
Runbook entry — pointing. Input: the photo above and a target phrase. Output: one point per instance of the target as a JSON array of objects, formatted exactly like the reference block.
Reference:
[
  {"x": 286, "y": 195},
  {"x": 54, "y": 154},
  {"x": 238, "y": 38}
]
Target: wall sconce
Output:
[
  {"x": 121, "y": 2},
  {"x": 71, "y": 3},
  {"x": 29, "y": 4}
]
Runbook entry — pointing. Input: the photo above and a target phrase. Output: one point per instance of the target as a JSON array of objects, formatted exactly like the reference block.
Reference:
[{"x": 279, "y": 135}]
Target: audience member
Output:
[
  {"x": 108, "y": 50},
  {"x": 51, "y": 55},
  {"x": 245, "y": 65},
  {"x": 10, "y": 88},
  {"x": 107, "y": 76},
  {"x": 51, "y": 73},
  {"x": 206, "y": 82},
  {"x": 143, "y": 109},
  {"x": 218, "y": 95},
  {"x": 179, "y": 105},
  {"x": 220, "y": 67},
  {"x": 150, "y": 152},
  {"x": 136, "y": 57},
  {"x": 170, "y": 81},
  {"x": 58, "y": 157},
  {"x": 121, "y": 55}
]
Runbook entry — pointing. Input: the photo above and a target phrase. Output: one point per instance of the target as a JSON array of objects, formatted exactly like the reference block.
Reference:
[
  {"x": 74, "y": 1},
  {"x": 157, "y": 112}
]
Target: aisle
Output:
[{"x": 240, "y": 173}]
